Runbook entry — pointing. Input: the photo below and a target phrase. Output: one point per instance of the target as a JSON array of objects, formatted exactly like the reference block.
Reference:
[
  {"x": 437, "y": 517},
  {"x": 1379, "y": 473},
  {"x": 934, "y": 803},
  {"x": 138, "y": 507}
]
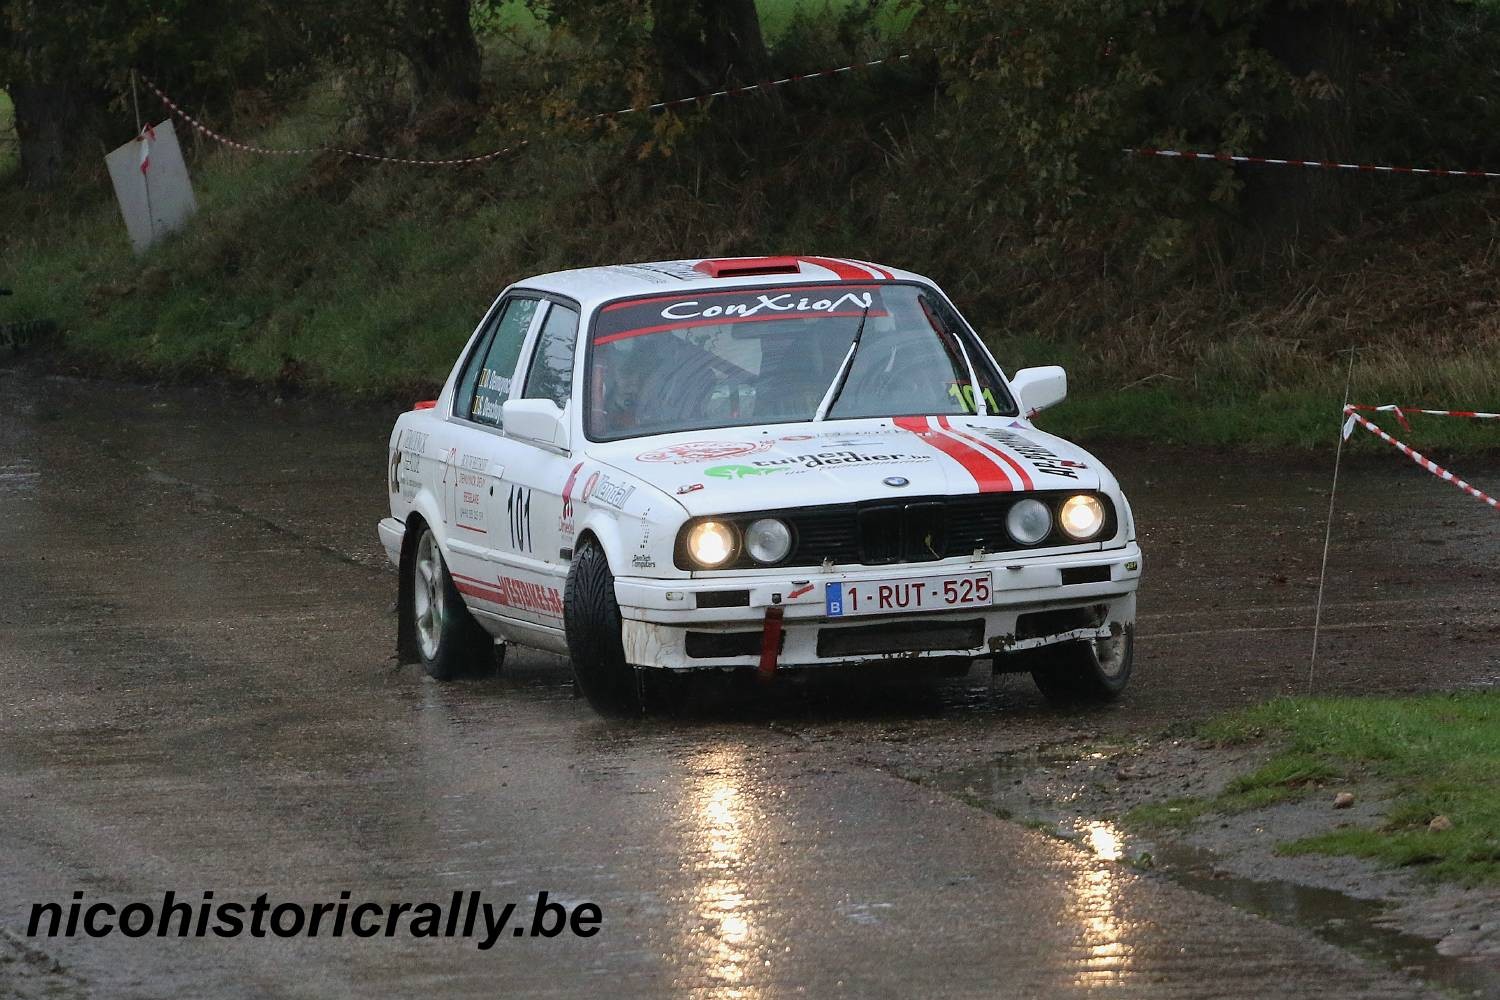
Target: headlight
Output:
[
  {"x": 1029, "y": 521},
  {"x": 711, "y": 543},
  {"x": 768, "y": 540},
  {"x": 1081, "y": 517}
]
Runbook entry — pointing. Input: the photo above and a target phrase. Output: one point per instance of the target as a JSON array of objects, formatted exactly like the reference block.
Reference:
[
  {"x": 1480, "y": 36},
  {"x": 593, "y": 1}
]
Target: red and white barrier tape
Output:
[
  {"x": 1356, "y": 418},
  {"x": 1393, "y": 408},
  {"x": 764, "y": 85},
  {"x": 753, "y": 87},
  {"x": 1271, "y": 161},
  {"x": 269, "y": 151}
]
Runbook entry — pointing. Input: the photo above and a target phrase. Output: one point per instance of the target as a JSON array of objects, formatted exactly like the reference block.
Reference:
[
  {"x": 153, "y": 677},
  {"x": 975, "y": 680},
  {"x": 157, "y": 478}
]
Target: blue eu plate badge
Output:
[{"x": 833, "y": 597}]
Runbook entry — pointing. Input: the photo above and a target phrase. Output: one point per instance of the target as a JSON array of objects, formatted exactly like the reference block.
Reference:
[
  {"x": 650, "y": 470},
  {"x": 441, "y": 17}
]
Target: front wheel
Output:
[
  {"x": 1094, "y": 670},
  {"x": 591, "y": 620},
  {"x": 441, "y": 633}
]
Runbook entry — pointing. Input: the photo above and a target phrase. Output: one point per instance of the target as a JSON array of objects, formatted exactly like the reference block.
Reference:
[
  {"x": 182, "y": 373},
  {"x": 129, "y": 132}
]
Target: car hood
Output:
[{"x": 794, "y": 465}]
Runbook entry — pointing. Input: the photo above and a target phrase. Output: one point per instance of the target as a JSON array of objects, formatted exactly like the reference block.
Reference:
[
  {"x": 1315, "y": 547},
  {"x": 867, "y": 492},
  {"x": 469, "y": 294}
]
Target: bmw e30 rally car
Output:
[{"x": 752, "y": 464}]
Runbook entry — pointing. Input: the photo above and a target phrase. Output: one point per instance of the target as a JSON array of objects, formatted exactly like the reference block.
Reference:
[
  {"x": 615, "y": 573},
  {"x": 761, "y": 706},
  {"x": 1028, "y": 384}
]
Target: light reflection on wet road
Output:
[{"x": 195, "y": 637}]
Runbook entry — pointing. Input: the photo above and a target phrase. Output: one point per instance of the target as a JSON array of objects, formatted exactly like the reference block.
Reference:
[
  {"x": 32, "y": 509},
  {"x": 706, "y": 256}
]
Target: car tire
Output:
[
  {"x": 1091, "y": 671},
  {"x": 436, "y": 628},
  {"x": 596, "y": 647}
]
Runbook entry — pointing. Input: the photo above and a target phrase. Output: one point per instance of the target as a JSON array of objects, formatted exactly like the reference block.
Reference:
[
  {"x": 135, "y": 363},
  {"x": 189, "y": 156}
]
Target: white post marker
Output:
[{"x": 151, "y": 184}]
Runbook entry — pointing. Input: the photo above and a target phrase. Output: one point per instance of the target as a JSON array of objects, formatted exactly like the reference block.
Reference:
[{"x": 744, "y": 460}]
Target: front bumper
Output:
[{"x": 1038, "y": 600}]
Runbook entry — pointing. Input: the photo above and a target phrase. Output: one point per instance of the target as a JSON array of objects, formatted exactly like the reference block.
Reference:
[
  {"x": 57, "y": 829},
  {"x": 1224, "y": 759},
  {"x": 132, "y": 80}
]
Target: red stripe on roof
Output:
[
  {"x": 845, "y": 272},
  {"x": 879, "y": 271}
]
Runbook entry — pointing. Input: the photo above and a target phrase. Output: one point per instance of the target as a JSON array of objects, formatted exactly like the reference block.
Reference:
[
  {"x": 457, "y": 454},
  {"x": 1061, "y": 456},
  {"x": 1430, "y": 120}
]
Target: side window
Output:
[
  {"x": 485, "y": 385},
  {"x": 551, "y": 374}
]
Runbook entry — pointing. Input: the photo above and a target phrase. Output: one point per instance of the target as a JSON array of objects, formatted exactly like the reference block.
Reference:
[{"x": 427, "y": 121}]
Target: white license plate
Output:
[{"x": 887, "y": 597}]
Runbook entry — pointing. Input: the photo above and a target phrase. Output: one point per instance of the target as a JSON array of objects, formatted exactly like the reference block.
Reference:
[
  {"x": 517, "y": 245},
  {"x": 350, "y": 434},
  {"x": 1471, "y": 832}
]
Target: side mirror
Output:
[
  {"x": 1039, "y": 388},
  {"x": 538, "y": 420}
]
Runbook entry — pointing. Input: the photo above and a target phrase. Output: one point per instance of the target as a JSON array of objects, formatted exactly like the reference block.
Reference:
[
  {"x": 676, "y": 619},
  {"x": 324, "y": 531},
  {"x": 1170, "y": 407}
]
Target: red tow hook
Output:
[{"x": 770, "y": 641}]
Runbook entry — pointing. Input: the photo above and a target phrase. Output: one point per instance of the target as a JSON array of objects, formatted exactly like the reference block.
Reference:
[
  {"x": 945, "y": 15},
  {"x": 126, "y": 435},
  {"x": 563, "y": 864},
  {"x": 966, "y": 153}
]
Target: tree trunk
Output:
[
  {"x": 704, "y": 44},
  {"x": 1314, "y": 42},
  {"x": 56, "y": 125},
  {"x": 439, "y": 45}
]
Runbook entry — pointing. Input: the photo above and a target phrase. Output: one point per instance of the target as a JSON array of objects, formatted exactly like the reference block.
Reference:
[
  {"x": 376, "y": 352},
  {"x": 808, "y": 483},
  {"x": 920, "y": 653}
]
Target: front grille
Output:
[
  {"x": 919, "y": 529},
  {"x": 880, "y": 531}
]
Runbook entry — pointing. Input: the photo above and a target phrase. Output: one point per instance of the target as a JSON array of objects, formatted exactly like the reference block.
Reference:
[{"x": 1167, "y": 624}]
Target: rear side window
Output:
[
  {"x": 485, "y": 385},
  {"x": 551, "y": 375}
]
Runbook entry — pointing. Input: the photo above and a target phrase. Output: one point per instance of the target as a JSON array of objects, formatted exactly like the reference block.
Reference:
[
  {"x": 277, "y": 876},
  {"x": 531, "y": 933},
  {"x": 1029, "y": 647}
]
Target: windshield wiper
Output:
[{"x": 832, "y": 395}]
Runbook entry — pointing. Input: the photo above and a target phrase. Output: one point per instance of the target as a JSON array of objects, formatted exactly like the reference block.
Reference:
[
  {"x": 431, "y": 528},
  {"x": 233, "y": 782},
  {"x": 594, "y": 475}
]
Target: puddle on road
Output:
[{"x": 1339, "y": 919}]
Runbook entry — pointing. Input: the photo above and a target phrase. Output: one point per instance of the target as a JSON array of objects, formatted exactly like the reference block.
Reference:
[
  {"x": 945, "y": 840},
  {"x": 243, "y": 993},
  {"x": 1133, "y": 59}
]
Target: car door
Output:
[
  {"x": 478, "y": 452},
  {"x": 534, "y": 500}
]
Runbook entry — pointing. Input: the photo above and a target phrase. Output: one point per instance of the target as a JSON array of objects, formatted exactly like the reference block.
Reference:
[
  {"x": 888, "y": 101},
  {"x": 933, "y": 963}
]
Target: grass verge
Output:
[
  {"x": 1438, "y": 754},
  {"x": 332, "y": 274}
]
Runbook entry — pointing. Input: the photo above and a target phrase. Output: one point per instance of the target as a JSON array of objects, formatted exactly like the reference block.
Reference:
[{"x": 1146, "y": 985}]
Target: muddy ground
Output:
[{"x": 196, "y": 639}]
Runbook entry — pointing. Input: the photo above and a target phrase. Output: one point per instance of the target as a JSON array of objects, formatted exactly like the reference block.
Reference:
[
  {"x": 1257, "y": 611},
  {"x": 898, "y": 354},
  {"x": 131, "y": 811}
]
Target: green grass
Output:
[
  {"x": 1170, "y": 815},
  {"x": 1439, "y": 754},
  {"x": 9, "y": 154}
]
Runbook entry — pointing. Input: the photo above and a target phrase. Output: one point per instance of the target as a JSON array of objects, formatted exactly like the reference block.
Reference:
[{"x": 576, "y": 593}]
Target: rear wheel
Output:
[
  {"x": 1094, "y": 670},
  {"x": 436, "y": 625},
  {"x": 591, "y": 619}
]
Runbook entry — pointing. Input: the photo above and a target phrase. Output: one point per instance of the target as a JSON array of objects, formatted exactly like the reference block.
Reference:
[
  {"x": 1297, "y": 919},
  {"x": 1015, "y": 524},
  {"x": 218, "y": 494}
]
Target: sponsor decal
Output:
[
  {"x": 660, "y": 313},
  {"x": 822, "y": 459},
  {"x": 744, "y": 307},
  {"x": 602, "y": 490},
  {"x": 532, "y": 597},
  {"x": 738, "y": 471},
  {"x": 694, "y": 452},
  {"x": 470, "y": 493},
  {"x": 513, "y": 593},
  {"x": 413, "y": 441},
  {"x": 1040, "y": 458},
  {"x": 565, "y": 524},
  {"x": 642, "y": 562},
  {"x": 797, "y": 437},
  {"x": 407, "y": 463}
]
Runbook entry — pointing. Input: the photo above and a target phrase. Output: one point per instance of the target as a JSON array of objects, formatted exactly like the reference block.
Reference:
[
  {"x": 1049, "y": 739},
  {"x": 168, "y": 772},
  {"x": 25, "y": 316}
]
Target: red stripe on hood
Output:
[
  {"x": 988, "y": 476},
  {"x": 1026, "y": 483}
]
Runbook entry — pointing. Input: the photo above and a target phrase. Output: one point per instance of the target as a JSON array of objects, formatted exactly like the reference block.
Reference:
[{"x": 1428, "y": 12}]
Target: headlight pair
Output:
[
  {"x": 1080, "y": 518},
  {"x": 715, "y": 543}
]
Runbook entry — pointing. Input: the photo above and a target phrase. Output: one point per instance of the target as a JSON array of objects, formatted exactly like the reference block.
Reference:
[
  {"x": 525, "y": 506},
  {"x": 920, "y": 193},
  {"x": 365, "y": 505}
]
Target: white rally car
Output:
[{"x": 752, "y": 464}]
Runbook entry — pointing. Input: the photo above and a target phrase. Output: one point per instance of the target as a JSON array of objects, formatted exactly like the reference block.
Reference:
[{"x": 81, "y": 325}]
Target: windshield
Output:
[{"x": 702, "y": 360}]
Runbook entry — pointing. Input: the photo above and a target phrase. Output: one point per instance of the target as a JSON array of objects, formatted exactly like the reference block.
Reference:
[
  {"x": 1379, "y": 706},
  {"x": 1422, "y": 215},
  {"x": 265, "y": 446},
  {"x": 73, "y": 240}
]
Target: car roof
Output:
[{"x": 592, "y": 286}]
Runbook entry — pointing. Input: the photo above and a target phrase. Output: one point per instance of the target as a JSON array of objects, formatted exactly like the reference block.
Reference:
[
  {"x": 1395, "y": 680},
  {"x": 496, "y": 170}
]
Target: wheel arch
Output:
[{"x": 605, "y": 533}]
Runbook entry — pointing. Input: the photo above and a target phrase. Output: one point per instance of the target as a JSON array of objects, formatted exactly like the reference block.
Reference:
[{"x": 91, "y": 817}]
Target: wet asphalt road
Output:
[{"x": 196, "y": 643}]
